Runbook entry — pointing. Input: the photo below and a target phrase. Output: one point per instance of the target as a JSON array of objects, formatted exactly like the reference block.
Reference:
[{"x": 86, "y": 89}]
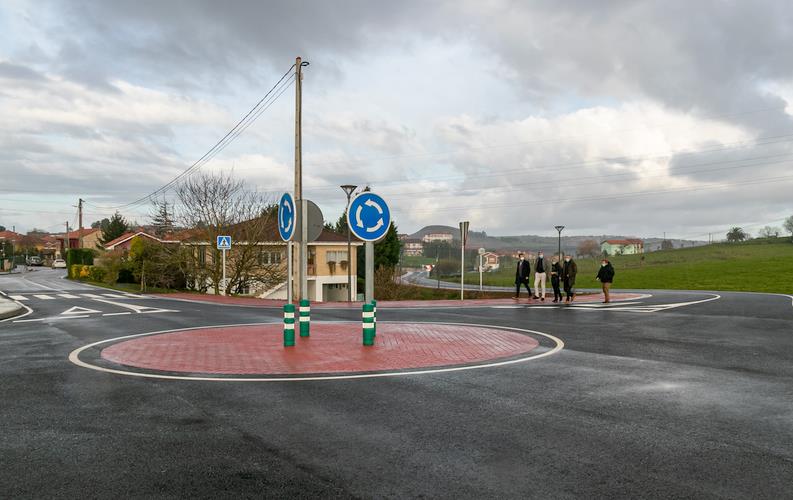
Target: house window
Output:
[
  {"x": 202, "y": 255},
  {"x": 336, "y": 255},
  {"x": 267, "y": 257}
]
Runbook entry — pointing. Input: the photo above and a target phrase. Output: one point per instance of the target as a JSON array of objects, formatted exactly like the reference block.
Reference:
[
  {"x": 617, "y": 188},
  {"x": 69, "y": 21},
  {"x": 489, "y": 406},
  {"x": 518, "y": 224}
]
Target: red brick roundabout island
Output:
[{"x": 332, "y": 348}]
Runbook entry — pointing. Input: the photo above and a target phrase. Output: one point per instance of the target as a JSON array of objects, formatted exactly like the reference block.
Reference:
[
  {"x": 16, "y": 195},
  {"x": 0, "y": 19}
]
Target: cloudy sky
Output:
[{"x": 622, "y": 117}]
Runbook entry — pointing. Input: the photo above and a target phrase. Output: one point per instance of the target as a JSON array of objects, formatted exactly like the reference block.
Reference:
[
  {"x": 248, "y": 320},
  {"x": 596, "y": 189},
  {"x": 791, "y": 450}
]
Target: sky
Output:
[{"x": 634, "y": 118}]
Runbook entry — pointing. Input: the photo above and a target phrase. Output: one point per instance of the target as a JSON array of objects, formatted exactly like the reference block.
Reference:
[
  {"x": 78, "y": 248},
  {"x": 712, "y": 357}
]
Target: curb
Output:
[{"x": 10, "y": 309}]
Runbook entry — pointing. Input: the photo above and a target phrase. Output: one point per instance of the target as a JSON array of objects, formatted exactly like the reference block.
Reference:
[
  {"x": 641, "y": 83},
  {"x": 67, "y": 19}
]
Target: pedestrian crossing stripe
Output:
[
  {"x": 18, "y": 297},
  {"x": 41, "y": 296},
  {"x": 67, "y": 296},
  {"x": 44, "y": 297}
]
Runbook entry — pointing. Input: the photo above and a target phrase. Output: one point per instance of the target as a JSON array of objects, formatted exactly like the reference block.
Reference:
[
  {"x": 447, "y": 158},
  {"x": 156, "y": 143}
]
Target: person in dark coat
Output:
[
  {"x": 569, "y": 270},
  {"x": 556, "y": 278},
  {"x": 605, "y": 277},
  {"x": 522, "y": 275}
]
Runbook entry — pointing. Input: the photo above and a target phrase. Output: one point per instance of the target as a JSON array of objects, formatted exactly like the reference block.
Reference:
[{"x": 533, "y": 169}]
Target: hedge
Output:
[{"x": 76, "y": 256}]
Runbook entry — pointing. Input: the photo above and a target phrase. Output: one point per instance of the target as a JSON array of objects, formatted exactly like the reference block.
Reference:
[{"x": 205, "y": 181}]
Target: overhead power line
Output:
[{"x": 254, "y": 113}]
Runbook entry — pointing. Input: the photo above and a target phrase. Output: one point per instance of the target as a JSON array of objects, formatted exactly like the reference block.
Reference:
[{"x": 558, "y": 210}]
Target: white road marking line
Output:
[
  {"x": 67, "y": 296},
  {"x": 610, "y": 304},
  {"x": 116, "y": 314},
  {"x": 18, "y": 297},
  {"x": 74, "y": 357},
  {"x": 80, "y": 310},
  {"x": 44, "y": 297},
  {"x": 136, "y": 308},
  {"x": 91, "y": 295},
  {"x": 39, "y": 284},
  {"x": 48, "y": 319},
  {"x": 113, "y": 295}
]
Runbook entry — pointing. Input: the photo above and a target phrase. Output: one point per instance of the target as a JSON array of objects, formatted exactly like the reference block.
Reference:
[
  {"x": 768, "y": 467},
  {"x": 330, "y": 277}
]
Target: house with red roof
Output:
[{"x": 628, "y": 246}]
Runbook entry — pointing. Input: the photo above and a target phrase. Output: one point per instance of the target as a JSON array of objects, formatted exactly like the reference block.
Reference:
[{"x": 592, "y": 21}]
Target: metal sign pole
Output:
[
  {"x": 369, "y": 272},
  {"x": 224, "y": 271},
  {"x": 289, "y": 272},
  {"x": 462, "y": 271},
  {"x": 480, "y": 272},
  {"x": 303, "y": 249}
]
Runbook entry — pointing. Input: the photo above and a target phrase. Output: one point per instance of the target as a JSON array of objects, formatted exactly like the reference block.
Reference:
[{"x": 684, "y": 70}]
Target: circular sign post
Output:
[
  {"x": 369, "y": 219},
  {"x": 286, "y": 229}
]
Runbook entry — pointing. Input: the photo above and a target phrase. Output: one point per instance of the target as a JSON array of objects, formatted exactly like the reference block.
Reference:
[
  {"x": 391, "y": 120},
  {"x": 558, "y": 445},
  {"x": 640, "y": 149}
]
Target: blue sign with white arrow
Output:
[
  {"x": 224, "y": 243},
  {"x": 286, "y": 217},
  {"x": 369, "y": 216}
]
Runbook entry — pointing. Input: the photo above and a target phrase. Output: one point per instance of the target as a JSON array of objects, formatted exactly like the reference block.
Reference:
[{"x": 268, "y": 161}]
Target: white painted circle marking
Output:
[{"x": 74, "y": 357}]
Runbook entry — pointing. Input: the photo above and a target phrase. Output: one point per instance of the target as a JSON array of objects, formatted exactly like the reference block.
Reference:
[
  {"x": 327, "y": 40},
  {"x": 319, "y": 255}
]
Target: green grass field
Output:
[
  {"x": 753, "y": 266},
  {"x": 416, "y": 260}
]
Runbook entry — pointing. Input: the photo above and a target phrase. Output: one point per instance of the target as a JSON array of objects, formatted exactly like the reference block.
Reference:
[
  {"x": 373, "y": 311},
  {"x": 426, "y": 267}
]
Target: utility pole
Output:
[
  {"x": 302, "y": 253},
  {"x": 66, "y": 241},
  {"x": 80, "y": 222}
]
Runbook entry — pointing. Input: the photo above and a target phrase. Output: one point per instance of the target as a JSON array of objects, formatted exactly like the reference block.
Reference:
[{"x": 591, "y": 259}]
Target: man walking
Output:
[
  {"x": 569, "y": 270},
  {"x": 556, "y": 276},
  {"x": 540, "y": 276},
  {"x": 605, "y": 277},
  {"x": 522, "y": 274}
]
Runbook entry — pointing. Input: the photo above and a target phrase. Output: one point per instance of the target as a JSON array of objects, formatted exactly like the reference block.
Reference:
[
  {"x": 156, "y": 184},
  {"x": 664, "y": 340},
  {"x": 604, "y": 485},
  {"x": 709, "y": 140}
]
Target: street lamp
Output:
[
  {"x": 348, "y": 189},
  {"x": 559, "y": 229}
]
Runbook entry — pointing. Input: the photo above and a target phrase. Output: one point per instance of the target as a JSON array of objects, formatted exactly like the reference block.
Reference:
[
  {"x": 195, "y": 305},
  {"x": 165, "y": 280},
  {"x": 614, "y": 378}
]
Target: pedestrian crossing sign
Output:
[{"x": 224, "y": 242}]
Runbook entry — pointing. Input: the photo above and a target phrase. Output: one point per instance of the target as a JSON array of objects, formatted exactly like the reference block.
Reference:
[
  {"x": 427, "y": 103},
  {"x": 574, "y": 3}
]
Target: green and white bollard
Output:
[
  {"x": 374, "y": 316},
  {"x": 289, "y": 325},
  {"x": 305, "y": 317},
  {"x": 368, "y": 324}
]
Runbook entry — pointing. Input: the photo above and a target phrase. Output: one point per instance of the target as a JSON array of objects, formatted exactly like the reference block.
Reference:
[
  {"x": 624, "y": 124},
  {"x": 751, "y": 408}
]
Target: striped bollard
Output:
[
  {"x": 289, "y": 325},
  {"x": 368, "y": 324},
  {"x": 305, "y": 317},
  {"x": 374, "y": 316}
]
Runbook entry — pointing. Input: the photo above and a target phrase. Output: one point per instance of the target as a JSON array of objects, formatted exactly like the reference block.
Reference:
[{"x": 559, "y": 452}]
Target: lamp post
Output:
[
  {"x": 348, "y": 189},
  {"x": 559, "y": 230}
]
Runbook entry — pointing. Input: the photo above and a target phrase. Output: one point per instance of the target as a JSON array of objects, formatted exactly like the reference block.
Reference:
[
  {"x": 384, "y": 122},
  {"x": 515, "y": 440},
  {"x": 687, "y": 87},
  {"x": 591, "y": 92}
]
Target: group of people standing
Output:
[{"x": 562, "y": 274}]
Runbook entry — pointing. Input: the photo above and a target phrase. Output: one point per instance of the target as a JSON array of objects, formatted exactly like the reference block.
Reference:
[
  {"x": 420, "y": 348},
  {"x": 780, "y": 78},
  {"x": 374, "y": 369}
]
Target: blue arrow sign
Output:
[
  {"x": 368, "y": 216},
  {"x": 224, "y": 243},
  {"x": 286, "y": 217}
]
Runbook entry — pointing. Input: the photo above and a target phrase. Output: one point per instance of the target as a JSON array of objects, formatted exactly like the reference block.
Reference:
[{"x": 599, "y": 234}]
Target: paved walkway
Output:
[
  {"x": 331, "y": 348},
  {"x": 388, "y": 304}
]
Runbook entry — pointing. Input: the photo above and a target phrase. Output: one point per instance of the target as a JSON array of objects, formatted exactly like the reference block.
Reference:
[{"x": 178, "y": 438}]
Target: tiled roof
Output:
[{"x": 624, "y": 242}]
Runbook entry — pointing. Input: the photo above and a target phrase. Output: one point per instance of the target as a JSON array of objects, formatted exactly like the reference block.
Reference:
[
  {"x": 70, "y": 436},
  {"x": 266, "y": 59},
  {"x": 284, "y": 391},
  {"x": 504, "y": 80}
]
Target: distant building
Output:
[
  {"x": 124, "y": 242},
  {"x": 490, "y": 261},
  {"x": 10, "y": 236},
  {"x": 412, "y": 247},
  {"x": 622, "y": 247},
  {"x": 434, "y": 237},
  {"x": 89, "y": 237}
]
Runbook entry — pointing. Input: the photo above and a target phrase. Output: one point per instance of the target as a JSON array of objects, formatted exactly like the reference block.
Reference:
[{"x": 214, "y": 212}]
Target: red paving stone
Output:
[
  {"x": 395, "y": 304},
  {"x": 332, "y": 348}
]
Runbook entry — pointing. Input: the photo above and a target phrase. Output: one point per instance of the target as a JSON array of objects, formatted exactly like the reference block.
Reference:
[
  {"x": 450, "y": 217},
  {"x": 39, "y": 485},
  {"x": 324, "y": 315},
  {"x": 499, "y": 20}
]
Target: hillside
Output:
[
  {"x": 754, "y": 266},
  {"x": 530, "y": 242}
]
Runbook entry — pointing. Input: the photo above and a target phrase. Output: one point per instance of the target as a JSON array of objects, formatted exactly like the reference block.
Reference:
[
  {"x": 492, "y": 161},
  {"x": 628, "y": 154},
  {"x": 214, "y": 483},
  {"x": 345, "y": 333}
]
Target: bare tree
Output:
[
  {"x": 769, "y": 232},
  {"x": 212, "y": 205},
  {"x": 588, "y": 248}
]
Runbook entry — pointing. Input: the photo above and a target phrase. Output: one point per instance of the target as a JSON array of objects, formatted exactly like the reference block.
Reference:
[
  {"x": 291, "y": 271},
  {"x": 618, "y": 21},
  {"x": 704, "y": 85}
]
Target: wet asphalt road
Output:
[{"x": 690, "y": 401}]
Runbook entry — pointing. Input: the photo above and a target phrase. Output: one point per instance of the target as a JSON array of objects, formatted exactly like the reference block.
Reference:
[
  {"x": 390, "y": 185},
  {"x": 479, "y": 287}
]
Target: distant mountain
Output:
[{"x": 534, "y": 243}]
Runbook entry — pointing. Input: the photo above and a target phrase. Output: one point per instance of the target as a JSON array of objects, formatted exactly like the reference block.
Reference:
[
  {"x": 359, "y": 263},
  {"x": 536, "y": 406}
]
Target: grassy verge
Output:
[{"x": 753, "y": 266}]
